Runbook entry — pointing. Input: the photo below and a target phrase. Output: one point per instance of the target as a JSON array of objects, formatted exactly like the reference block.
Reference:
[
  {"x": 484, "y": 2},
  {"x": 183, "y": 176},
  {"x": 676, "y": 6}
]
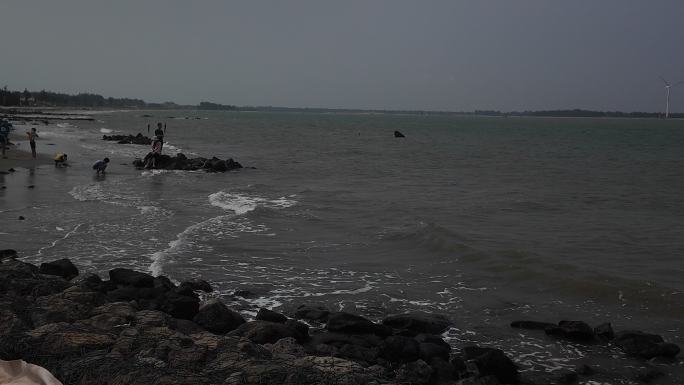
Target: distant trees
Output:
[
  {"x": 215, "y": 106},
  {"x": 55, "y": 99}
]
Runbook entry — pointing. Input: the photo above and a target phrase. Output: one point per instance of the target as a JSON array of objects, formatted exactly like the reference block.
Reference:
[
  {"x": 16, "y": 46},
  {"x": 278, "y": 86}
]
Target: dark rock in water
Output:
[
  {"x": 432, "y": 346},
  {"x": 418, "y": 322},
  {"x": 8, "y": 254},
  {"x": 398, "y": 134},
  {"x": 648, "y": 375},
  {"x": 128, "y": 139},
  {"x": 572, "y": 330},
  {"x": 494, "y": 362},
  {"x": 349, "y": 323},
  {"x": 11, "y": 170},
  {"x": 312, "y": 313},
  {"x": 532, "y": 325},
  {"x": 63, "y": 268},
  {"x": 197, "y": 285},
  {"x": 181, "y": 162},
  {"x": 442, "y": 371},
  {"x": 21, "y": 217},
  {"x": 270, "y": 315},
  {"x": 640, "y": 344},
  {"x": 215, "y": 317},
  {"x": 31, "y": 186},
  {"x": 264, "y": 332},
  {"x": 604, "y": 331},
  {"x": 400, "y": 349},
  {"x": 130, "y": 277}
]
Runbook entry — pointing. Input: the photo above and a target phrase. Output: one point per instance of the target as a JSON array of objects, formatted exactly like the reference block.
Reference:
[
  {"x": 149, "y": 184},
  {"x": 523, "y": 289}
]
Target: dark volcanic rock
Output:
[
  {"x": 418, "y": 322},
  {"x": 349, "y": 323},
  {"x": 270, "y": 315},
  {"x": 400, "y": 349},
  {"x": 63, "y": 268},
  {"x": 398, "y": 134},
  {"x": 572, "y": 330},
  {"x": 130, "y": 277},
  {"x": 312, "y": 313},
  {"x": 197, "y": 285},
  {"x": 181, "y": 162},
  {"x": 215, "y": 317},
  {"x": 264, "y": 332},
  {"x": 431, "y": 346},
  {"x": 179, "y": 306},
  {"x": 604, "y": 331},
  {"x": 7, "y": 254},
  {"x": 637, "y": 343},
  {"x": 128, "y": 139},
  {"x": 494, "y": 362}
]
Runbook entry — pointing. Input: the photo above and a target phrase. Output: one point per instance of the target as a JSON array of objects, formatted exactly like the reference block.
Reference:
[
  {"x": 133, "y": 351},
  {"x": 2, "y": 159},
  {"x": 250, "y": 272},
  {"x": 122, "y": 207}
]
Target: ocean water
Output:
[{"x": 487, "y": 220}]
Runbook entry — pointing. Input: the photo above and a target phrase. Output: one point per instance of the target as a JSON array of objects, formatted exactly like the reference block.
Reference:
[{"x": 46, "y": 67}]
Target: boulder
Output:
[
  {"x": 418, "y": 322},
  {"x": 432, "y": 346},
  {"x": 493, "y": 362},
  {"x": 62, "y": 268},
  {"x": 130, "y": 277},
  {"x": 416, "y": 372},
  {"x": 196, "y": 285},
  {"x": 312, "y": 313},
  {"x": 604, "y": 331},
  {"x": 8, "y": 254},
  {"x": 270, "y": 315},
  {"x": 342, "y": 322},
  {"x": 178, "y": 305},
  {"x": 398, "y": 134},
  {"x": 399, "y": 349},
  {"x": 264, "y": 332},
  {"x": 215, "y": 317},
  {"x": 181, "y": 162},
  {"x": 572, "y": 330},
  {"x": 645, "y": 345}
]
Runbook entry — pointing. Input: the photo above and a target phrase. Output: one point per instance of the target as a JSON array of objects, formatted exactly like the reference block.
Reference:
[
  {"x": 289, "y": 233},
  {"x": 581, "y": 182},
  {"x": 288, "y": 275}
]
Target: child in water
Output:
[
  {"x": 100, "y": 166},
  {"x": 61, "y": 160}
]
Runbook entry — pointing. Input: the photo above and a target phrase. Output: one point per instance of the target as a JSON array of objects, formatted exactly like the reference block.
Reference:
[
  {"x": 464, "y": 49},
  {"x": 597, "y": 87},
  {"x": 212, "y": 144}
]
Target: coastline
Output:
[{"x": 19, "y": 155}]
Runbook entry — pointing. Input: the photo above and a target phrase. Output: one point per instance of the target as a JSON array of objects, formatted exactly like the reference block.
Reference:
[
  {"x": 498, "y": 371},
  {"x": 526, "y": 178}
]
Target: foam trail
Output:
[
  {"x": 106, "y": 130},
  {"x": 54, "y": 243}
]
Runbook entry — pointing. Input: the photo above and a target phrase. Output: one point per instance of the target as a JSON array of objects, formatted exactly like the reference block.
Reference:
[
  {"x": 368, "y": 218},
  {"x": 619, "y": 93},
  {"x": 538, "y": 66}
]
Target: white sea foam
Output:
[
  {"x": 106, "y": 130},
  {"x": 241, "y": 204}
]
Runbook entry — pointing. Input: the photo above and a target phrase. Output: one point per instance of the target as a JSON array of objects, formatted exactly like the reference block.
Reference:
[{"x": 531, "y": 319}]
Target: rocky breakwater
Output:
[
  {"x": 128, "y": 139},
  {"x": 181, "y": 162},
  {"x": 137, "y": 329}
]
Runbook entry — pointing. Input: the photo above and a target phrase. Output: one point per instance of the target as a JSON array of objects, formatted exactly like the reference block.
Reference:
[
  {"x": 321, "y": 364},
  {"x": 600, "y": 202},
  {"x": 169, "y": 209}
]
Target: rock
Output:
[
  {"x": 493, "y": 362},
  {"x": 64, "y": 338},
  {"x": 264, "y": 332},
  {"x": 353, "y": 324},
  {"x": 128, "y": 139},
  {"x": 572, "y": 330},
  {"x": 644, "y": 345},
  {"x": 197, "y": 285},
  {"x": 179, "y": 306},
  {"x": 181, "y": 162},
  {"x": 431, "y": 346},
  {"x": 416, "y": 372},
  {"x": 312, "y": 313},
  {"x": 21, "y": 217},
  {"x": 418, "y": 322},
  {"x": 532, "y": 325},
  {"x": 442, "y": 371},
  {"x": 604, "y": 331},
  {"x": 63, "y": 268},
  {"x": 130, "y": 277},
  {"x": 398, "y": 134},
  {"x": 286, "y": 346},
  {"x": 270, "y": 315},
  {"x": 215, "y": 317},
  {"x": 333, "y": 365},
  {"x": 399, "y": 349},
  {"x": 8, "y": 254}
]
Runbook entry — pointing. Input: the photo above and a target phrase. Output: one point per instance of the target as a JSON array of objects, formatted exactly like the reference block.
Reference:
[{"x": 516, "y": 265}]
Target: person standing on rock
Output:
[
  {"x": 159, "y": 133},
  {"x": 32, "y": 135}
]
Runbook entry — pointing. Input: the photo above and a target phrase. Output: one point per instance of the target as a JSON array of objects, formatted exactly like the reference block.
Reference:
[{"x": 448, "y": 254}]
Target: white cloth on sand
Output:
[{"x": 20, "y": 372}]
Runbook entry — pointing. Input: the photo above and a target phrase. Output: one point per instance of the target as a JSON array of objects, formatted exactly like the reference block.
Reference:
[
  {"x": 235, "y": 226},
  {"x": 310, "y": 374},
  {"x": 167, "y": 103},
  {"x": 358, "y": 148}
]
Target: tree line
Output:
[{"x": 44, "y": 98}]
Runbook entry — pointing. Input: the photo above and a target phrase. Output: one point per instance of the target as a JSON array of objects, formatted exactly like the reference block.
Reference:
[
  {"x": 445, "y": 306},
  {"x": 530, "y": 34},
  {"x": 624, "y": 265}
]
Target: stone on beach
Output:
[
  {"x": 216, "y": 317},
  {"x": 418, "y": 322}
]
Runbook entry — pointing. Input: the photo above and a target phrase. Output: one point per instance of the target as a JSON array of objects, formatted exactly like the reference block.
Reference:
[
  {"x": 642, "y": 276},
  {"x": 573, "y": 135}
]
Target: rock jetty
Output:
[
  {"x": 128, "y": 139},
  {"x": 133, "y": 328},
  {"x": 181, "y": 162}
]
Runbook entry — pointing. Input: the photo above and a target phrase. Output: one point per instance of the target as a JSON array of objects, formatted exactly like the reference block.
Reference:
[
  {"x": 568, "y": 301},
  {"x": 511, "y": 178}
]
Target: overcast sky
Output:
[{"x": 391, "y": 54}]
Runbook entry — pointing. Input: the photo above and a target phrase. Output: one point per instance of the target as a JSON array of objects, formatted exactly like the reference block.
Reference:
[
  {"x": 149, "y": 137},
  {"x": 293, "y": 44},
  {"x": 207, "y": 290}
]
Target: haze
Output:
[{"x": 434, "y": 55}]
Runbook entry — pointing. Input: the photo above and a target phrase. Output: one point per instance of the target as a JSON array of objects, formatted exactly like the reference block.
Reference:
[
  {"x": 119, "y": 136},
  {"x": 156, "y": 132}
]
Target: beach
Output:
[{"x": 483, "y": 220}]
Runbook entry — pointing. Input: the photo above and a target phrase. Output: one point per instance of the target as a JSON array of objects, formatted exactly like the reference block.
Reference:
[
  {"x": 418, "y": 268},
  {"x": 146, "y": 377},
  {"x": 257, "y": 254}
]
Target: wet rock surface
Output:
[
  {"x": 181, "y": 162},
  {"x": 138, "y": 329},
  {"x": 128, "y": 139}
]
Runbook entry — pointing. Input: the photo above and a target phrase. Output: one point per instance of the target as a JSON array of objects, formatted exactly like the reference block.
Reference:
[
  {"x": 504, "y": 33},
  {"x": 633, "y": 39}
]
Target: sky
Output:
[{"x": 450, "y": 55}]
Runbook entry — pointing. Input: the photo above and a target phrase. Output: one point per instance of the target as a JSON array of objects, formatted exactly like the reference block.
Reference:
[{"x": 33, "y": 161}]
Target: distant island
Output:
[{"x": 30, "y": 99}]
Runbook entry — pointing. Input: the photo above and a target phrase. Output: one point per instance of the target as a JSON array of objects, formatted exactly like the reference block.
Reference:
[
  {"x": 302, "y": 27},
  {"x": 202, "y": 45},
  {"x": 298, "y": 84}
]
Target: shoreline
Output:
[{"x": 21, "y": 158}]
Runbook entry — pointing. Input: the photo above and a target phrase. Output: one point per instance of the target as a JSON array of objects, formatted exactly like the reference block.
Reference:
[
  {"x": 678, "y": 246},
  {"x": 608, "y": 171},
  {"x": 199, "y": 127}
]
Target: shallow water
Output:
[{"x": 486, "y": 219}]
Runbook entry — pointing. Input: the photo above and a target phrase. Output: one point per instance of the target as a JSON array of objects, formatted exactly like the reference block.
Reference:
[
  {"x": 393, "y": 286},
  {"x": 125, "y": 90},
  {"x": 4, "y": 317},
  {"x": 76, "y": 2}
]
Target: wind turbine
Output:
[{"x": 667, "y": 87}]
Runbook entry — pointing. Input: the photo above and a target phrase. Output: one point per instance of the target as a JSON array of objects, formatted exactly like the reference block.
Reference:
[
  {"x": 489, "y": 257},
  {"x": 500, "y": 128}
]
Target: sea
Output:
[{"x": 485, "y": 219}]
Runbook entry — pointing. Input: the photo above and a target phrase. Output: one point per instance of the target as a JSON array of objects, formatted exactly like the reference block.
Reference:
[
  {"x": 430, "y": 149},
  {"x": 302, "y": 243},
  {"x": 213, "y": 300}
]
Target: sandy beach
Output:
[{"x": 19, "y": 155}]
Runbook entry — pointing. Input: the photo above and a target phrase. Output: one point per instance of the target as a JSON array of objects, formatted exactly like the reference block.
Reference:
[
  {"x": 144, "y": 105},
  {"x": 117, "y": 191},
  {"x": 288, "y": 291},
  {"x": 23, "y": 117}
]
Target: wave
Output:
[
  {"x": 242, "y": 204},
  {"x": 428, "y": 235},
  {"x": 106, "y": 130}
]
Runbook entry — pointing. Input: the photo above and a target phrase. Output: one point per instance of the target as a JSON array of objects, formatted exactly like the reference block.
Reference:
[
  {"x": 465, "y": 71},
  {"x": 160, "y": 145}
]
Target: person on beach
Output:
[
  {"x": 5, "y": 127},
  {"x": 154, "y": 155},
  {"x": 159, "y": 133},
  {"x": 32, "y": 135},
  {"x": 61, "y": 160},
  {"x": 100, "y": 166}
]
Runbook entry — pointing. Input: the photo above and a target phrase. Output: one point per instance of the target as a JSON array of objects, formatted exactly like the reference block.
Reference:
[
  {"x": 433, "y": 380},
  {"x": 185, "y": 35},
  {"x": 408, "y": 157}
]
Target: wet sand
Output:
[{"x": 19, "y": 155}]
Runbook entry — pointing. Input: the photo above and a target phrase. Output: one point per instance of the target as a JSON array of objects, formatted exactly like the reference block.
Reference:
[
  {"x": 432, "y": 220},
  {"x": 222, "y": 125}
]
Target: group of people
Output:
[{"x": 61, "y": 158}]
